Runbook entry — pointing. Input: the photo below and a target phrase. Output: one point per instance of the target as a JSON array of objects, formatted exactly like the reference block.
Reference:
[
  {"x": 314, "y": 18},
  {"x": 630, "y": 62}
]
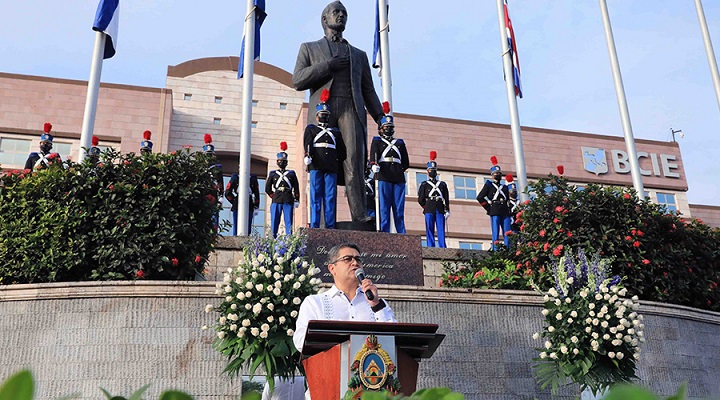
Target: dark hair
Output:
[{"x": 335, "y": 250}]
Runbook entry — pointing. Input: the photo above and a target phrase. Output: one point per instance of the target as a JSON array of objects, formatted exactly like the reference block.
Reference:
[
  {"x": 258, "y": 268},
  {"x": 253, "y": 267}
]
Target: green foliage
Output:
[
  {"x": 120, "y": 217},
  {"x": 18, "y": 387},
  {"x": 661, "y": 256},
  {"x": 261, "y": 302},
  {"x": 634, "y": 392},
  {"x": 591, "y": 331},
  {"x": 495, "y": 271},
  {"x": 422, "y": 394}
]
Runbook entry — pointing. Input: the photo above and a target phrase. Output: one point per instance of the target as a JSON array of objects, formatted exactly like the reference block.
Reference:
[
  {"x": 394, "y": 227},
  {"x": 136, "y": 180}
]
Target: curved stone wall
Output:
[{"x": 77, "y": 337}]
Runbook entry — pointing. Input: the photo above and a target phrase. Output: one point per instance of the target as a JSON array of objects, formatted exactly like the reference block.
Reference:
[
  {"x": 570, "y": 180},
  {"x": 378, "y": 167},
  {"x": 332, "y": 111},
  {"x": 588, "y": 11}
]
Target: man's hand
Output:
[
  {"x": 447, "y": 215},
  {"x": 366, "y": 285},
  {"x": 297, "y": 204},
  {"x": 307, "y": 160},
  {"x": 375, "y": 168},
  {"x": 338, "y": 62}
]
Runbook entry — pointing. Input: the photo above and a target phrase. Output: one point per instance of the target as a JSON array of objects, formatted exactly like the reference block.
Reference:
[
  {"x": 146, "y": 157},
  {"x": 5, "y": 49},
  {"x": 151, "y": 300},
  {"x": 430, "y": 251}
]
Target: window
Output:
[
  {"x": 216, "y": 121},
  {"x": 420, "y": 177},
  {"x": 14, "y": 152},
  {"x": 465, "y": 187},
  {"x": 283, "y": 106},
  {"x": 63, "y": 149},
  {"x": 423, "y": 242},
  {"x": 258, "y": 223},
  {"x": 218, "y": 99},
  {"x": 187, "y": 97},
  {"x": 254, "y": 103},
  {"x": 471, "y": 245},
  {"x": 253, "y": 124},
  {"x": 667, "y": 200}
]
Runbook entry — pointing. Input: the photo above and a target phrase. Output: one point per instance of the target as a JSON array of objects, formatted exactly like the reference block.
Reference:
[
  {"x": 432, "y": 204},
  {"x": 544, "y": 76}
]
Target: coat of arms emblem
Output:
[{"x": 594, "y": 160}]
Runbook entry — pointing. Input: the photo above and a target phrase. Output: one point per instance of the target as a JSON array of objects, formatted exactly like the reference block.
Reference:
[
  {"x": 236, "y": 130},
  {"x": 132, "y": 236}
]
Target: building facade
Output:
[{"x": 203, "y": 96}]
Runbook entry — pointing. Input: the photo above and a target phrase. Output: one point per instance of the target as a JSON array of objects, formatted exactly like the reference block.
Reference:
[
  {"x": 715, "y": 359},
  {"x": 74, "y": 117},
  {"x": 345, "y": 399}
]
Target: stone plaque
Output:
[{"x": 389, "y": 258}]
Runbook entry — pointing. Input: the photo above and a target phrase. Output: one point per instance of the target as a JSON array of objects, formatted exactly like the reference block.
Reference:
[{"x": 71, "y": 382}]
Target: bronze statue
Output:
[{"x": 332, "y": 63}]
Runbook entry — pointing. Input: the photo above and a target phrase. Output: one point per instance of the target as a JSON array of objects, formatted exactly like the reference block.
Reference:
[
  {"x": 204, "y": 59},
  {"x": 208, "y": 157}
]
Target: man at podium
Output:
[{"x": 352, "y": 297}]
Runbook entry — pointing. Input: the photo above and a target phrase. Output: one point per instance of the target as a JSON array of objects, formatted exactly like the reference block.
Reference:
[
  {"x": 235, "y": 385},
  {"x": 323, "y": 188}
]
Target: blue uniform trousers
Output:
[
  {"x": 497, "y": 223},
  {"x": 323, "y": 196},
  {"x": 249, "y": 221},
  {"x": 392, "y": 196},
  {"x": 286, "y": 211},
  {"x": 432, "y": 219}
]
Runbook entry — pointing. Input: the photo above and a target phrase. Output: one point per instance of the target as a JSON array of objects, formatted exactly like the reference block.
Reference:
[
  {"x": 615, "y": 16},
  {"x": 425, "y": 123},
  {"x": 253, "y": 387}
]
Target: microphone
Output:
[{"x": 360, "y": 274}]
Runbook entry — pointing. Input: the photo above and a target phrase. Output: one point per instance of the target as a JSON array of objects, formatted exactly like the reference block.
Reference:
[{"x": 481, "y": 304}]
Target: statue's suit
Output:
[{"x": 312, "y": 72}]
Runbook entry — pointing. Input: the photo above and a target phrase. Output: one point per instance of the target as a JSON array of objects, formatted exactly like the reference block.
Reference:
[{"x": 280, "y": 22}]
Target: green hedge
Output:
[{"x": 122, "y": 217}]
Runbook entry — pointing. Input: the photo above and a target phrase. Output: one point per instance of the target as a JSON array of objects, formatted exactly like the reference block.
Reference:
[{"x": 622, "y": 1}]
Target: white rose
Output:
[
  {"x": 576, "y": 351},
  {"x": 296, "y": 285},
  {"x": 563, "y": 349},
  {"x": 261, "y": 257},
  {"x": 591, "y": 306},
  {"x": 254, "y": 275},
  {"x": 558, "y": 316},
  {"x": 221, "y": 335},
  {"x": 594, "y": 343},
  {"x": 263, "y": 334},
  {"x": 290, "y": 332},
  {"x": 255, "y": 263},
  {"x": 630, "y": 331},
  {"x": 568, "y": 300},
  {"x": 277, "y": 268},
  {"x": 611, "y": 354},
  {"x": 606, "y": 337},
  {"x": 613, "y": 329},
  {"x": 570, "y": 320},
  {"x": 604, "y": 324},
  {"x": 296, "y": 300},
  {"x": 257, "y": 308},
  {"x": 276, "y": 292},
  {"x": 583, "y": 293},
  {"x": 277, "y": 275},
  {"x": 634, "y": 298},
  {"x": 271, "y": 306},
  {"x": 281, "y": 320},
  {"x": 246, "y": 322},
  {"x": 595, "y": 321},
  {"x": 228, "y": 289},
  {"x": 248, "y": 306},
  {"x": 240, "y": 296},
  {"x": 248, "y": 294},
  {"x": 286, "y": 278},
  {"x": 226, "y": 278},
  {"x": 591, "y": 313},
  {"x": 301, "y": 278},
  {"x": 604, "y": 289},
  {"x": 222, "y": 320},
  {"x": 259, "y": 287},
  {"x": 233, "y": 306},
  {"x": 622, "y": 292},
  {"x": 278, "y": 284},
  {"x": 254, "y": 331},
  {"x": 552, "y": 292},
  {"x": 238, "y": 280},
  {"x": 265, "y": 327},
  {"x": 620, "y": 355},
  {"x": 548, "y": 344},
  {"x": 616, "y": 342},
  {"x": 248, "y": 285},
  {"x": 619, "y": 336},
  {"x": 268, "y": 273},
  {"x": 285, "y": 301},
  {"x": 553, "y": 356},
  {"x": 205, "y": 327},
  {"x": 536, "y": 336},
  {"x": 574, "y": 339},
  {"x": 233, "y": 327},
  {"x": 598, "y": 296},
  {"x": 595, "y": 335},
  {"x": 588, "y": 320},
  {"x": 570, "y": 280},
  {"x": 573, "y": 314},
  {"x": 305, "y": 264},
  {"x": 233, "y": 317},
  {"x": 606, "y": 296},
  {"x": 543, "y": 355},
  {"x": 588, "y": 329},
  {"x": 545, "y": 312},
  {"x": 209, "y": 308},
  {"x": 551, "y": 329},
  {"x": 270, "y": 288}
]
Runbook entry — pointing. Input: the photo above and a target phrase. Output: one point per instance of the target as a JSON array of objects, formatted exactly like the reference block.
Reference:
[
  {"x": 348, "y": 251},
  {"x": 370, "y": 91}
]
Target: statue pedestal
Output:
[{"x": 389, "y": 258}]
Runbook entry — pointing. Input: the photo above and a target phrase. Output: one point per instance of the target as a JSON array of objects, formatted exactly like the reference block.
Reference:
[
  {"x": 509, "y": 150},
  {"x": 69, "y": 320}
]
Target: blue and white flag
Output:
[
  {"x": 377, "y": 58},
  {"x": 106, "y": 21},
  {"x": 259, "y": 19},
  {"x": 513, "y": 50}
]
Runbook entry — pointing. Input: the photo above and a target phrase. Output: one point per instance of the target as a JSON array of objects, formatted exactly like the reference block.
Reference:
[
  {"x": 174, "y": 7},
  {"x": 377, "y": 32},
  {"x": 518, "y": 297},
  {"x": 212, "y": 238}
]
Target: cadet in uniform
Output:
[
  {"x": 434, "y": 198},
  {"x": 231, "y": 194},
  {"x": 44, "y": 158},
  {"x": 389, "y": 159},
  {"x": 215, "y": 170},
  {"x": 494, "y": 199},
  {"x": 324, "y": 153},
  {"x": 282, "y": 186},
  {"x": 146, "y": 145}
]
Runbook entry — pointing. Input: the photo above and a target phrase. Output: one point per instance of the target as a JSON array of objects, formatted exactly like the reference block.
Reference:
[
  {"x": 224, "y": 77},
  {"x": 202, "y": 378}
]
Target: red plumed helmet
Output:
[
  {"x": 560, "y": 169},
  {"x": 47, "y": 127},
  {"x": 95, "y": 141},
  {"x": 493, "y": 160},
  {"x": 509, "y": 178},
  {"x": 207, "y": 138},
  {"x": 386, "y": 107},
  {"x": 283, "y": 146},
  {"x": 324, "y": 96},
  {"x": 433, "y": 155},
  {"x": 146, "y": 135}
]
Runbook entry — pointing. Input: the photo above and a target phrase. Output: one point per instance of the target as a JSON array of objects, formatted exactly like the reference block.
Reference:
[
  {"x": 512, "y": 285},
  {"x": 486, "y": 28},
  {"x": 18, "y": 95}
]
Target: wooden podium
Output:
[{"x": 327, "y": 358}]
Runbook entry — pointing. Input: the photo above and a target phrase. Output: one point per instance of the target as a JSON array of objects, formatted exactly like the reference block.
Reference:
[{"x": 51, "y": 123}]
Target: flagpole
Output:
[
  {"x": 246, "y": 127},
  {"x": 385, "y": 77},
  {"x": 88, "y": 125},
  {"x": 709, "y": 49},
  {"x": 512, "y": 105},
  {"x": 622, "y": 104}
]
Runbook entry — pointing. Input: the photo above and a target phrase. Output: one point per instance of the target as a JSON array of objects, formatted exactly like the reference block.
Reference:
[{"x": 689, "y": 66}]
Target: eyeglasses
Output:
[{"x": 348, "y": 259}]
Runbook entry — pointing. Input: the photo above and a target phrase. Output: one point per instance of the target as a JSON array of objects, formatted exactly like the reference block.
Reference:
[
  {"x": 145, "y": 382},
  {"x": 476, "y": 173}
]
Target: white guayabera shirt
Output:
[{"x": 334, "y": 305}]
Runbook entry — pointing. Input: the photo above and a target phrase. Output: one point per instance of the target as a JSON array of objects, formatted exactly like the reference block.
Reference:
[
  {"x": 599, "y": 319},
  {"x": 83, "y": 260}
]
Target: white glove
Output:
[
  {"x": 308, "y": 160},
  {"x": 255, "y": 212},
  {"x": 447, "y": 215},
  {"x": 297, "y": 204},
  {"x": 375, "y": 168}
]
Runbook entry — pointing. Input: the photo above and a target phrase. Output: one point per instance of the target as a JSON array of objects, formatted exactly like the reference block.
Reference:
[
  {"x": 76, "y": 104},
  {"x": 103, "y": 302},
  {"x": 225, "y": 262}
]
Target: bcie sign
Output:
[{"x": 595, "y": 161}]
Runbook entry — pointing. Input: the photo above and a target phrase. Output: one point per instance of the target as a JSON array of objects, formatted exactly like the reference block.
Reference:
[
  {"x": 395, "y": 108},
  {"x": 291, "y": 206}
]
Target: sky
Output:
[{"x": 445, "y": 60}]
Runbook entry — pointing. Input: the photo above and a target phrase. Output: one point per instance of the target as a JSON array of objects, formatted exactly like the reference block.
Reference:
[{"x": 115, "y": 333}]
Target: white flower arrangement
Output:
[
  {"x": 599, "y": 345},
  {"x": 260, "y": 303}
]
